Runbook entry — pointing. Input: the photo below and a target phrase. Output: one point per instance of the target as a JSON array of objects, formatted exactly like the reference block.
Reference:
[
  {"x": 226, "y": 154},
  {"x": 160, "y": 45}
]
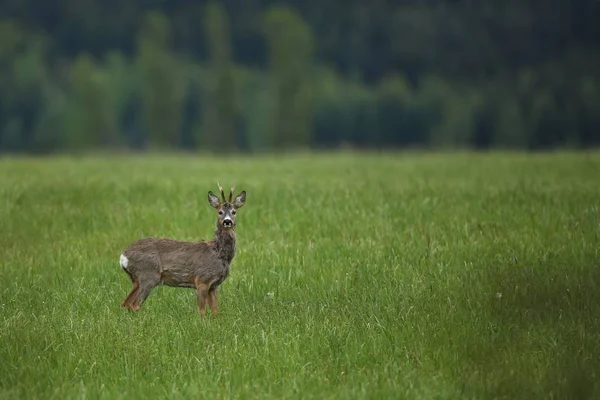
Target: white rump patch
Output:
[{"x": 124, "y": 261}]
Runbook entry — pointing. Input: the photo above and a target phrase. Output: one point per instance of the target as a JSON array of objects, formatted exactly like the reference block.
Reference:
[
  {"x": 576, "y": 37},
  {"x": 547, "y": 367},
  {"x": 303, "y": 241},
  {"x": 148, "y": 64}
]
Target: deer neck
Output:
[{"x": 225, "y": 241}]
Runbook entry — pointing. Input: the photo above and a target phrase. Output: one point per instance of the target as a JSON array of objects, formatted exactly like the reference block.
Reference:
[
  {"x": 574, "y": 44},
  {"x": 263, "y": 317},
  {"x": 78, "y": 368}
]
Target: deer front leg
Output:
[{"x": 202, "y": 293}]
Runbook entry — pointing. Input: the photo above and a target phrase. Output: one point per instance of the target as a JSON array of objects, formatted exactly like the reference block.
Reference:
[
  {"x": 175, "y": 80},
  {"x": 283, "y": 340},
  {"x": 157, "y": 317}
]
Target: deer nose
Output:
[{"x": 227, "y": 222}]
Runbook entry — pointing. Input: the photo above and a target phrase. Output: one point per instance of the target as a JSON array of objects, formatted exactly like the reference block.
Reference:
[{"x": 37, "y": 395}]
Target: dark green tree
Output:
[
  {"x": 124, "y": 87},
  {"x": 162, "y": 82},
  {"x": 23, "y": 78},
  {"x": 220, "y": 109},
  {"x": 91, "y": 121},
  {"x": 291, "y": 47}
]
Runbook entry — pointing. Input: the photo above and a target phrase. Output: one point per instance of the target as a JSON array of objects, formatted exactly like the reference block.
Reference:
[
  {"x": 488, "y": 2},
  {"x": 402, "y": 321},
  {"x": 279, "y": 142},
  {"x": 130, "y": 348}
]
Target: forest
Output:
[{"x": 263, "y": 75}]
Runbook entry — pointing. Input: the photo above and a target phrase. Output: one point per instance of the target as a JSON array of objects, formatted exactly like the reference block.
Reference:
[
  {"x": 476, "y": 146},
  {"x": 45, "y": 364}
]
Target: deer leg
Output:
[
  {"x": 212, "y": 301},
  {"x": 202, "y": 292},
  {"x": 146, "y": 284},
  {"x": 132, "y": 293}
]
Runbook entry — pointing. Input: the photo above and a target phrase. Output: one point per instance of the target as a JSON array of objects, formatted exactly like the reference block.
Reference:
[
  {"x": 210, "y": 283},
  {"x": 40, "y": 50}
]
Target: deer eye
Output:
[
  {"x": 233, "y": 212},
  {"x": 220, "y": 212}
]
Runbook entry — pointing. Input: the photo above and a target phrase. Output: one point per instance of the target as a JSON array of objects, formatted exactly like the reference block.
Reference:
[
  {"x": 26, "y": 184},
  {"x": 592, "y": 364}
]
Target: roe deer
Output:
[{"x": 202, "y": 265}]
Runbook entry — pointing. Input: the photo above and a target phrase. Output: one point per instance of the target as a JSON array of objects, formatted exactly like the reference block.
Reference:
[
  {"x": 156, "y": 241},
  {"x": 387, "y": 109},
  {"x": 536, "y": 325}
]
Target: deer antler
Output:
[
  {"x": 222, "y": 192},
  {"x": 231, "y": 194}
]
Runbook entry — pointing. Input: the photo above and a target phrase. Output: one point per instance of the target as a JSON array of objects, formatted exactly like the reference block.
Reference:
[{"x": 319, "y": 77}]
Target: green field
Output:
[{"x": 434, "y": 276}]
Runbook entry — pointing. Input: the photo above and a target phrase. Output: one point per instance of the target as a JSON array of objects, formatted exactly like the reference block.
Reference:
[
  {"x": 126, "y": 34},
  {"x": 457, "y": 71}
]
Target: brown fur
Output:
[{"x": 202, "y": 265}]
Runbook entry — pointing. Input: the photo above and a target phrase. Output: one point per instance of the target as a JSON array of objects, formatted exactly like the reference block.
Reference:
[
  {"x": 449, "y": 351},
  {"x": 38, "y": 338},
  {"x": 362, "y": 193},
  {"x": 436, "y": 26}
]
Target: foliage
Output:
[
  {"x": 223, "y": 77},
  {"x": 91, "y": 116},
  {"x": 291, "y": 47},
  {"x": 220, "y": 103},
  {"x": 162, "y": 84}
]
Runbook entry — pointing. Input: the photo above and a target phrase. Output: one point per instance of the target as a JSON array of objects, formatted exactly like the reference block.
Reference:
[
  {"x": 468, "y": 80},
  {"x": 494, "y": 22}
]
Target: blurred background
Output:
[{"x": 259, "y": 75}]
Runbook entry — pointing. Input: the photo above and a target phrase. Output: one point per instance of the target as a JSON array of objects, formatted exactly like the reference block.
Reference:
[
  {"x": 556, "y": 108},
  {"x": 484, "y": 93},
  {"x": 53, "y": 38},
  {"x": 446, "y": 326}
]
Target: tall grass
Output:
[{"x": 357, "y": 276}]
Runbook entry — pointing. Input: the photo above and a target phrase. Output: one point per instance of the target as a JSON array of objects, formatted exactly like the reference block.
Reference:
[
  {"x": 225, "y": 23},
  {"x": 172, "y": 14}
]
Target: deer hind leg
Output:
[
  {"x": 146, "y": 284},
  {"x": 212, "y": 301},
  {"x": 202, "y": 293},
  {"x": 132, "y": 293},
  {"x": 124, "y": 264}
]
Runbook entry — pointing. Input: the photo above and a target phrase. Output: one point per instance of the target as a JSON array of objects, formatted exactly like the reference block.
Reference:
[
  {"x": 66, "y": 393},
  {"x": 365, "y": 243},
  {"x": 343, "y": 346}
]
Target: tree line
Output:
[{"x": 267, "y": 75}]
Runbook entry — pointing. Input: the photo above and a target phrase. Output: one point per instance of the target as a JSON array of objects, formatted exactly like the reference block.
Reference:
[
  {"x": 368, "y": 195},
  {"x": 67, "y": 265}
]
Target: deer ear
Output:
[
  {"x": 240, "y": 199},
  {"x": 213, "y": 200}
]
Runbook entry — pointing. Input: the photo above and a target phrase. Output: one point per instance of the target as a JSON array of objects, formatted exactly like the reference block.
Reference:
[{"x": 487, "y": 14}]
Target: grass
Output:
[{"x": 439, "y": 276}]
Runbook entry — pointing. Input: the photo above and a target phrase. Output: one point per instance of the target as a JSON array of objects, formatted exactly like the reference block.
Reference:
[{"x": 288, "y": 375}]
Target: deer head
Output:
[{"x": 227, "y": 208}]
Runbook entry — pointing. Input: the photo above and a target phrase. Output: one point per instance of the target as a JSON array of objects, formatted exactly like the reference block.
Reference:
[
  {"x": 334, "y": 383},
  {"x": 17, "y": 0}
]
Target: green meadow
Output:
[{"x": 357, "y": 276}]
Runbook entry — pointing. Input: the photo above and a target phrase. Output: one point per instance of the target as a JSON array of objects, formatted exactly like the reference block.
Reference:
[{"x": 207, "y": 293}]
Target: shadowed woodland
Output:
[{"x": 268, "y": 75}]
